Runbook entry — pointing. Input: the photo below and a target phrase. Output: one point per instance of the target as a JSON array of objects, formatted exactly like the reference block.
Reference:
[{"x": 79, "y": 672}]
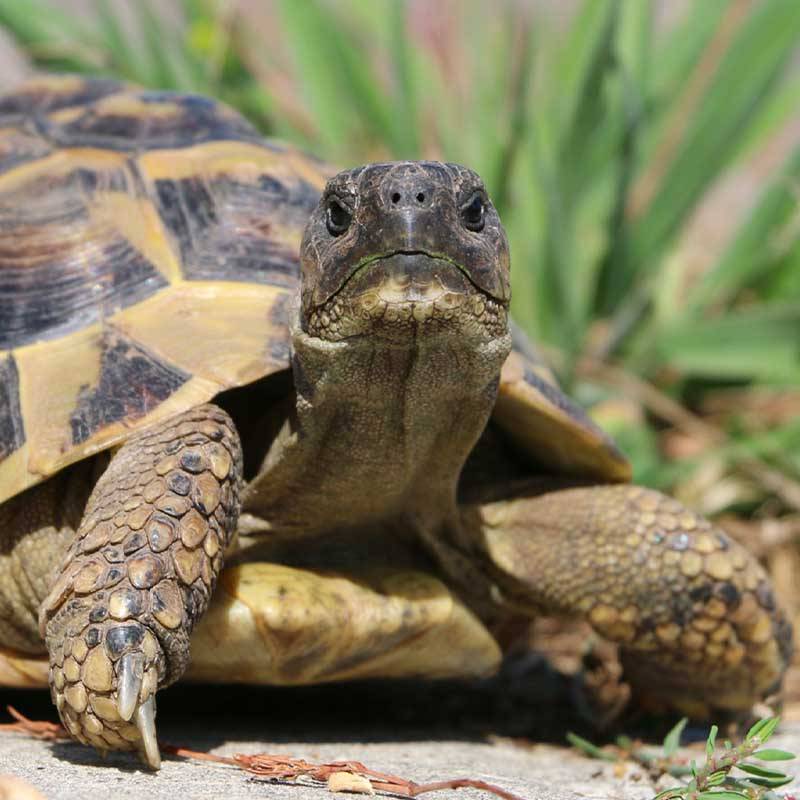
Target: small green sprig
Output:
[{"x": 713, "y": 780}]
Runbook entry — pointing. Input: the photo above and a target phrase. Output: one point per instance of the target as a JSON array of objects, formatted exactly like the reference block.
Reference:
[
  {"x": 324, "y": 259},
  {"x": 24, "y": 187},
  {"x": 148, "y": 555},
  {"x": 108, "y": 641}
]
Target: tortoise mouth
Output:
[
  {"x": 408, "y": 292},
  {"x": 415, "y": 275},
  {"x": 407, "y": 276}
]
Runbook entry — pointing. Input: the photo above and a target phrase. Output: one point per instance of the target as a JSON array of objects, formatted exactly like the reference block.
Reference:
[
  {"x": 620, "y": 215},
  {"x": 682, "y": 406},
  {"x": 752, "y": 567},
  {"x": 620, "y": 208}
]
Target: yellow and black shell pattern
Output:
[
  {"x": 149, "y": 256},
  {"x": 149, "y": 249}
]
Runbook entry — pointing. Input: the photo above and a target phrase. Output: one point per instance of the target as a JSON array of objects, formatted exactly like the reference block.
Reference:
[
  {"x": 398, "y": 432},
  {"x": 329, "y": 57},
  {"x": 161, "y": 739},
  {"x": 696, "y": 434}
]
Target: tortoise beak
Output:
[{"x": 411, "y": 277}]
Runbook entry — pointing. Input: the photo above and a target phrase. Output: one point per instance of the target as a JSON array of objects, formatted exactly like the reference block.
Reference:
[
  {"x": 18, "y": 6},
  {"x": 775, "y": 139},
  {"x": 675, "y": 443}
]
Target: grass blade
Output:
[
  {"x": 756, "y": 343},
  {"x": 585, "y": 746},
  {"x": 405, "y": 105},
  {"x": 745, "y": 258},
  {"x": 52, "y": 38},
  {"x": 118, "y": 46},
  {"x": 737, "y": 91},
  {"x": 672, "y": 741},
  {"x": 711, "y": 741},
  {"x": 345, "y": 97}
]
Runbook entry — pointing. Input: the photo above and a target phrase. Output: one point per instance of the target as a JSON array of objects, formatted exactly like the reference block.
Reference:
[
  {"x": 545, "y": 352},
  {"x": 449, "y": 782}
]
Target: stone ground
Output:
[{"x": 411, "y": 731}]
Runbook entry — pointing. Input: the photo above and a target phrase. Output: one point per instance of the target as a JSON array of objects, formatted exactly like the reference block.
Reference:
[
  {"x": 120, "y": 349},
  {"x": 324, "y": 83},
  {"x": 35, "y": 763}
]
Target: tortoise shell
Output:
[{"x": 149, "y": 255}]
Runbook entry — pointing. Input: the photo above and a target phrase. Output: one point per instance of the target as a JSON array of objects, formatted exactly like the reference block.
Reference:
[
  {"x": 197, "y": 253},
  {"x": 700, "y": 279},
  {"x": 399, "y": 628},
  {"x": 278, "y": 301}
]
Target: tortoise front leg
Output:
[
  {"x": 693, "y": 612},
  {"x": 138, "y": 576}
]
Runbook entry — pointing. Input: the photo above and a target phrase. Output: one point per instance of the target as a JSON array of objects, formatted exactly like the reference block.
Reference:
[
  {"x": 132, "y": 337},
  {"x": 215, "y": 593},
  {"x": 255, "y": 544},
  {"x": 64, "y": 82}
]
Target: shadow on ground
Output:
[
  {"x": 495, "y": 730},
  {"x": 526, "y": 701},
  {"x": 534, "y": 705}
]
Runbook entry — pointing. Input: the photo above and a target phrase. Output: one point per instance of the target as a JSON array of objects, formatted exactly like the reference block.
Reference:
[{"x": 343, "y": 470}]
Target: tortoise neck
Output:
[{"x": 379, "y": 430}]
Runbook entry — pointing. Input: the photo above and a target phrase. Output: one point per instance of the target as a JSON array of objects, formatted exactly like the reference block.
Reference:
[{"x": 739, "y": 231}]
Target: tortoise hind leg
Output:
[
  {"x": 138, "y": 575},
  {"x": 692, "y": 611},
  {"x": 36, "y": 527}
]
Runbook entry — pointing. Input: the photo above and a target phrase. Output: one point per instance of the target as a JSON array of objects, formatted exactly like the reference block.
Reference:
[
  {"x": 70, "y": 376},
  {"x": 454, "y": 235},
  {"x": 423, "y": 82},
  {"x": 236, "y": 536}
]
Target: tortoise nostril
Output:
[{"x": 408, "y": 194}]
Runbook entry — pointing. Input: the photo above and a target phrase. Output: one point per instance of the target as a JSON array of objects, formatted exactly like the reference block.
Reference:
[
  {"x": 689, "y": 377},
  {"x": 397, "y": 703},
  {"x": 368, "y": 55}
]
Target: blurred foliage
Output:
[{"x": 599, "y": 139}]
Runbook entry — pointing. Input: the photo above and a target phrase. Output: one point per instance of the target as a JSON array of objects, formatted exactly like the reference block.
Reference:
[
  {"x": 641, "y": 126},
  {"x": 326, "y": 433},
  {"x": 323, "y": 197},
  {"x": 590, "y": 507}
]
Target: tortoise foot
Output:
[
  {"x": 138, "y": 576},
  {"x": 698, "y": 626},
  {"x": 104, "y": 683}
]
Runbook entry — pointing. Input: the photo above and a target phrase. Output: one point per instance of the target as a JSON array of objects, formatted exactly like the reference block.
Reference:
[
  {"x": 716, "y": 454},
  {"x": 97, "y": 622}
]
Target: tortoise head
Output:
[{"x": 399, "y": 249}]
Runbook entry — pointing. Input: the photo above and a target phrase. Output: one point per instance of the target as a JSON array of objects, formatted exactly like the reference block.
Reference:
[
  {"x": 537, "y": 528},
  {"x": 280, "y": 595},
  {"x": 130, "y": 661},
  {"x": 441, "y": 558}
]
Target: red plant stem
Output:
[
  {"x": 460, "y": 783},
  {"x": 184, "y": 752}
]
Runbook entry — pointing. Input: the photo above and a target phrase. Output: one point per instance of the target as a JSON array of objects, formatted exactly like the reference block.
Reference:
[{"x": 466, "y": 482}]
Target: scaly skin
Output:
[
  {"x": 36, "y": 527},
  {"x": 138, "y": 575},
  {"x": 693, "y": 611}
]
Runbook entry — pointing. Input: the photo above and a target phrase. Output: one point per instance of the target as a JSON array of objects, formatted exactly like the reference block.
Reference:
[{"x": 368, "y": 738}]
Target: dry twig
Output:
[{"x": 39, "y": 730}]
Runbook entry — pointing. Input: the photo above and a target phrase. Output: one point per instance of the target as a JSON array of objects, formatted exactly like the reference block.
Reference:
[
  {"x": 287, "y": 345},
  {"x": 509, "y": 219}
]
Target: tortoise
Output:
[{"x": 214, "y": 348}]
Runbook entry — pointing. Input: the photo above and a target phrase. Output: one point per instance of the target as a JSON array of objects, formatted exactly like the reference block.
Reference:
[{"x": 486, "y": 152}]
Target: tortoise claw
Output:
[
  {"x": 146, "y": 723},
  {"x": 131, "y": 673}
]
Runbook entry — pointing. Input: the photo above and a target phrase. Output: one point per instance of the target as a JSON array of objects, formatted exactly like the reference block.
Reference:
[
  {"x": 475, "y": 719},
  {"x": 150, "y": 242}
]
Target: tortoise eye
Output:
[
  {"x": 337, "y": 218},
  {"x": 473, "y": 213}
]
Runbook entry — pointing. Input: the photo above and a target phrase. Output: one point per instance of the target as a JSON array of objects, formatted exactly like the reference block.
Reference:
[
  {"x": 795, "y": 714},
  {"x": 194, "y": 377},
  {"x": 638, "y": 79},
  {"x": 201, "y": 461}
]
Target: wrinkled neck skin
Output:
[{"x": 380, "y": 432}]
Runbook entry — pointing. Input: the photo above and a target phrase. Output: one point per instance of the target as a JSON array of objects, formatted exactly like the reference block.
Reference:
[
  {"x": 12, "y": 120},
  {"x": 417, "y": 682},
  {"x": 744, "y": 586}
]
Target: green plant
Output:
[
  {"x": 717, "y": 778},
  {"x": 599, "y": 142}
]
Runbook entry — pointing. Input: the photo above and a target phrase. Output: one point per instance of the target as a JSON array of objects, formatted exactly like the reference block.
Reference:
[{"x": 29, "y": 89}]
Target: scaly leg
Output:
[
  {"x": 693, "y": 612},
  {"x": 36, "y": 528},
  {"x": 138, "y": 575}
]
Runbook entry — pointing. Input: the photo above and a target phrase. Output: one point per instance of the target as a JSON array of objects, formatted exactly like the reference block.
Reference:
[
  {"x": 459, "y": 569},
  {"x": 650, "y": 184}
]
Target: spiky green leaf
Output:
[
  {"x": 771, "y": 754},
  {"x": 672, "y": 741},
  {"x": 585, "y": 746},
  {"x": 711, "y": 741}
]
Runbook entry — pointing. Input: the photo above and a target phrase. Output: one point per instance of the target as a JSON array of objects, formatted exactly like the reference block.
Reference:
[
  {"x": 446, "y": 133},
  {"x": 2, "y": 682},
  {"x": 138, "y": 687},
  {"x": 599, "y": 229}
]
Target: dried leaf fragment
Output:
[{"x": 349, "y": 782}]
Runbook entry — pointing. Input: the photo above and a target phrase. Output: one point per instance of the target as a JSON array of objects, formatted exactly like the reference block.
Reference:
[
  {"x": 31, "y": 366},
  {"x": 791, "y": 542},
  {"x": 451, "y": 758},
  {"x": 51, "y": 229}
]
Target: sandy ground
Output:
[
  {"x": 66, "y": 771},
  {"x": 410, "y": 729},
  {"x": 411, "y": 732},
  {"x": 62, "y": 771}
]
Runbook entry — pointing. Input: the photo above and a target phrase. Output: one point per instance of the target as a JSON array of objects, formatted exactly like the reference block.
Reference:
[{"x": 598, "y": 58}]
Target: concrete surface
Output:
[
  {"x": 66, "y": 771},
  {"x": 433, "y": 737},
  {"x": 540, "y": 772}
]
